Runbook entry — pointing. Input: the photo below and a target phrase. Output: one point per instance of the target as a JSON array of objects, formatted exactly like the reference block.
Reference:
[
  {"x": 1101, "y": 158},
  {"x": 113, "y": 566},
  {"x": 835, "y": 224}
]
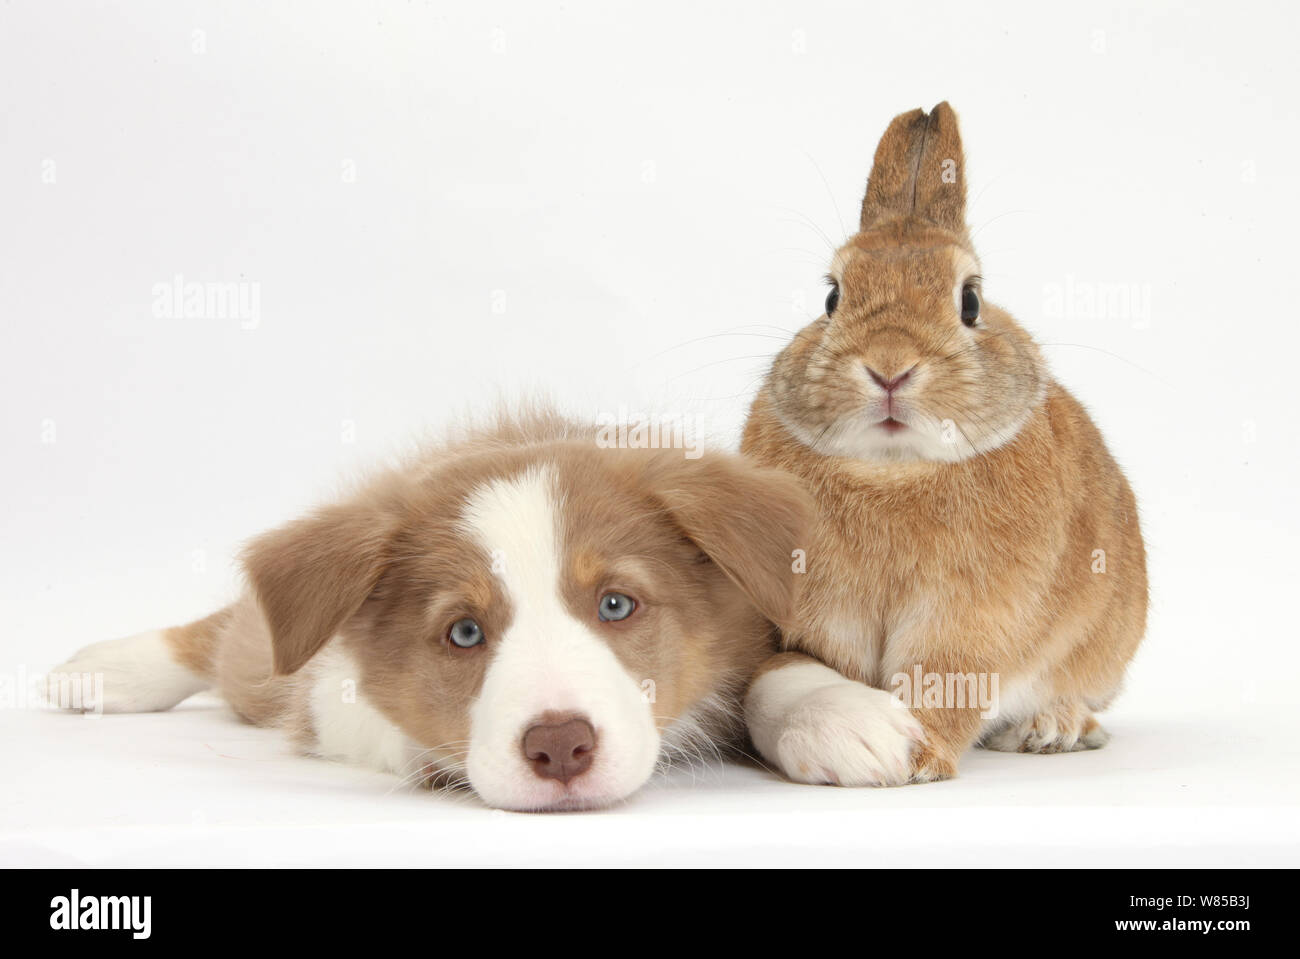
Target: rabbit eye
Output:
[
  {"x": 970, "y": 305},
  {"x": 832, "y": 298}
]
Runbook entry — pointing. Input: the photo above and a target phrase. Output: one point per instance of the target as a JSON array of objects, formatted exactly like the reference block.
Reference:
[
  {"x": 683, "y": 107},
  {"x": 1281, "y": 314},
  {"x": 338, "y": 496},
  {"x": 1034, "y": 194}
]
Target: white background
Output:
[{"x": 442, "y": 205}]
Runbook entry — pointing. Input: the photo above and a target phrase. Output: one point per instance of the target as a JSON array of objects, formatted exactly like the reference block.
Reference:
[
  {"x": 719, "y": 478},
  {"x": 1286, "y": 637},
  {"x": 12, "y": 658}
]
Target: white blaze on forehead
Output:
[
  {"x": 547, "y": 660},
  {"x": 514, "y": 521}
]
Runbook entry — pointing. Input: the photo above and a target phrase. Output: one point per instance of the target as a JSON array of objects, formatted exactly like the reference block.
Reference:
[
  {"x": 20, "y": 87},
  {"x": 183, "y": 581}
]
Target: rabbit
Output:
[{"x": 974, "y": 529}]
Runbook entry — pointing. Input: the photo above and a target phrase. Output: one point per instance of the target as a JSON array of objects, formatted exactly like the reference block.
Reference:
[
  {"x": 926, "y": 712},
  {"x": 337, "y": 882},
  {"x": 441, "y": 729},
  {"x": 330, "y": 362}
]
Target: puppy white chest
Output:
[{"x": 347, "y": 726}]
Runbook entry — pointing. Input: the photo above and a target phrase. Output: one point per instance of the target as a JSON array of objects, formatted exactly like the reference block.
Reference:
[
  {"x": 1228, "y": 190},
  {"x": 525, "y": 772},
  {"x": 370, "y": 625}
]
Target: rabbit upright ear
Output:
[{"x": 919, "y": 171}]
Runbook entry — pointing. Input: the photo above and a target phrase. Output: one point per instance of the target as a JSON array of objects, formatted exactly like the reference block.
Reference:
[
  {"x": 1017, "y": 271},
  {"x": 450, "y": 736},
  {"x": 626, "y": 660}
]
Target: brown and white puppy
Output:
[
  {"x": 974, "y": 528},
  {"x": 521, "y": 611}
]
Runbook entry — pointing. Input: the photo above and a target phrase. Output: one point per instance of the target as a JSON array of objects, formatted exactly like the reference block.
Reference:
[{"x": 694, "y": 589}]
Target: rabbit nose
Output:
[
  {"x": 561, "y": 749},
  {"x": 890, "y": 385}
]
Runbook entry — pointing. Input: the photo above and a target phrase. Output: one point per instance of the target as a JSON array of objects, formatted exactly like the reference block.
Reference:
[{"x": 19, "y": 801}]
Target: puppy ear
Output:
[
  {"x": 919, "y": 171},
  {"x": 747, "y": 518},
  {"x": 313, "y": 574}
]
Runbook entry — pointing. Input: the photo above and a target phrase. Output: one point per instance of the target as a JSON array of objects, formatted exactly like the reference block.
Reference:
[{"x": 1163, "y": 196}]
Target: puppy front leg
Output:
[{"x": 817, "y": 726}]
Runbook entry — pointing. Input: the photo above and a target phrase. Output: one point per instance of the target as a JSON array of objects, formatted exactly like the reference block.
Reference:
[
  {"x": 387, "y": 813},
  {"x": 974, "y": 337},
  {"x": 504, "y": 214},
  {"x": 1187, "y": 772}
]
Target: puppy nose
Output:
[
  {"x": 560, "y": 749},
  {"x": 890, "y": 385}
]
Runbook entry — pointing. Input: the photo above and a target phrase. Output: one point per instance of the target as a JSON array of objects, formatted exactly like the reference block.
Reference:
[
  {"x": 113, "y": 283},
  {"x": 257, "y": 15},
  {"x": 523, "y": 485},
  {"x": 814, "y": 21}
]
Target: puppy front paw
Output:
[{"x": 818, "y": 727}]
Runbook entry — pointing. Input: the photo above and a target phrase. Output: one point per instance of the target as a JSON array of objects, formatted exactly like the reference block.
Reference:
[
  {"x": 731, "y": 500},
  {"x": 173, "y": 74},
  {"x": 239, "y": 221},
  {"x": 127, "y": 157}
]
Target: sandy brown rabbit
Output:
[{"x": 975, "y": 535}]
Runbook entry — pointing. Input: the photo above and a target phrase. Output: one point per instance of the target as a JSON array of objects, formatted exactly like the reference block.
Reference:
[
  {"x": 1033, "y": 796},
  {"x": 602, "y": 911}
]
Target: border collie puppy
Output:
[{"x": 520, "y": 611}]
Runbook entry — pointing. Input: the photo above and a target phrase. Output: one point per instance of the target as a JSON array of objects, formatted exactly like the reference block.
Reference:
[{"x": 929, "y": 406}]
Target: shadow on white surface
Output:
[{"x": 197, "y": 788}]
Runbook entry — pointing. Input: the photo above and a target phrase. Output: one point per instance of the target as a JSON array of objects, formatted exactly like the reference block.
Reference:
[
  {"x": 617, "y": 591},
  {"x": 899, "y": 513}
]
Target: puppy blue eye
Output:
[
  {"x": 465, "y": 633},
  {"x": 615, "y": 606}
]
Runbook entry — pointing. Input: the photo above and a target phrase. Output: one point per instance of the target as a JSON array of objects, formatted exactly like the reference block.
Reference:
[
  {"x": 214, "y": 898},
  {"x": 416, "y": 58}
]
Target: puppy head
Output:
[{"x": 538, "y": 618}]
